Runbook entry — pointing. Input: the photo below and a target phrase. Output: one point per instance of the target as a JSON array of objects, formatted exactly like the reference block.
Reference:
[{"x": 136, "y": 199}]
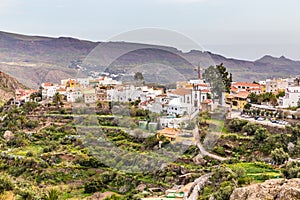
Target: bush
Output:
[
  {"x": 5, "y": 184},
  {"x": 219, "y": 150},
  {"x": 279, "y": 156},
  {"x": 236, "y": 125},
  {"x": 51, "y": 195},
  {"x": 250, "y": 128},
  {"x": 260, "y": 135},
  {"x": 93, "y": 186},
  {"x": 292, "y": 170}
]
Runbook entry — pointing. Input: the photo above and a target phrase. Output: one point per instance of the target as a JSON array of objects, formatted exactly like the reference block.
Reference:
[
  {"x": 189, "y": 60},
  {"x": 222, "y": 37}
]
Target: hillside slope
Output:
[
  {"x": 8, "y": 85},
  {"x": 34, "y": 59}
]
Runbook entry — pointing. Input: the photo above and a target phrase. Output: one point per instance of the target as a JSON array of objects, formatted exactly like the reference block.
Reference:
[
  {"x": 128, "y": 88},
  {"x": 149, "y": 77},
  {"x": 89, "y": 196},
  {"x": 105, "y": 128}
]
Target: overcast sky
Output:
[{"x": 245, "y": 29}]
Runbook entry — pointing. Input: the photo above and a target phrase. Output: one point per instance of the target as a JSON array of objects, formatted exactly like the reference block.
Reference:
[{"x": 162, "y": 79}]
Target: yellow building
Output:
[{"x": 237, "y": 101}]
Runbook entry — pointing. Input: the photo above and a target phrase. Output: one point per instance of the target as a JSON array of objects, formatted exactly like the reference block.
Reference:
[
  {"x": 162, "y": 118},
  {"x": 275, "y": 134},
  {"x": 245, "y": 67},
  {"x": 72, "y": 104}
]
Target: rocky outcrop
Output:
[
  {"x": 275, "y": 189},
  {"x": 8, "y": 85}
]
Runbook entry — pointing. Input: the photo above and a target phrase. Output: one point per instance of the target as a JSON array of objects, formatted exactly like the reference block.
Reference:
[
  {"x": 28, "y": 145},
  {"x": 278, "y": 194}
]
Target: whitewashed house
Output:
[
  {"x": 291, "y": 98},
  {"x": 178, "y": 108},
  {"x": 124, "y": 94},
  {"x": 90, "y": 96},
  {"x": 74, "y": 95}
]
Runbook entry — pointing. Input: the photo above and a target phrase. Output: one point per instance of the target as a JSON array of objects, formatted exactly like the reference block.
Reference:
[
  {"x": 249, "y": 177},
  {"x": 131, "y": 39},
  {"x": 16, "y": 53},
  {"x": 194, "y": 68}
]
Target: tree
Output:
[
  {"x": 57, "y": 99},
  {"x": 279, "y": 156},
  {"x": 253, "y": 97},
  {"x": 226, "y": 77},
  {"x": 219, "y": 79},
  {"x": 260, "y": 134},
  {"x": 138, "y": 76}
]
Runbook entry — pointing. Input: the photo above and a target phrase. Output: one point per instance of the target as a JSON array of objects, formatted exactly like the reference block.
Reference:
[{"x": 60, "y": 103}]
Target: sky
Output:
[{"x": 243, "y": 29}]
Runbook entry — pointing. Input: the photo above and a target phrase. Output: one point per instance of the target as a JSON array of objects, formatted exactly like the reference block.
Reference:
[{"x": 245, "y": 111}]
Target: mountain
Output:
[
  {"x": 34, "y": 59},
  {"x": 8, "y": 85}
]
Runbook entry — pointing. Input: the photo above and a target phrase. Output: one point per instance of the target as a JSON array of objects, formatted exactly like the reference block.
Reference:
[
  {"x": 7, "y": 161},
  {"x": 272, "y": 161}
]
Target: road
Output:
[
  {"x": 198, "y": 185},
  {"x": 265, "y": 122},
  {"x": 203, "y": 151}
]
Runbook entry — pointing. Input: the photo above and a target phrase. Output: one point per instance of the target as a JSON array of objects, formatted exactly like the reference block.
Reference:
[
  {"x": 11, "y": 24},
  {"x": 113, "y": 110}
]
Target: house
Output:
[
  {"x": 83, "y": 82},
  {"x": 90, "y": 96},
  {"x": 177, "y": 108},
  {"x": 198, "y": 95},
  {"x": 244, "y": 86},
  {"x": 237, "y": 101},
  {"x": 101, "y": 94},
  {"x": 291, "y": 98},
  {"x": 169, "y": 133},
  {"x": 74, "y": 95},
  {"x": 124, "y": 94},
  {"x": 23, "y": 95},
  {"x": 69, "y": 83},
  {"x": 184, "y": 95},
  {"x": 48, "y": 90},
  {"x": 276, "y": 85}
]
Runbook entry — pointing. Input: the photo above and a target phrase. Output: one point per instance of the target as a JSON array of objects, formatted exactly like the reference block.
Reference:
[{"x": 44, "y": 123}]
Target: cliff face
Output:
[
  {"x": 8, "y": 85},
  {"x": 275, "y": 189}
]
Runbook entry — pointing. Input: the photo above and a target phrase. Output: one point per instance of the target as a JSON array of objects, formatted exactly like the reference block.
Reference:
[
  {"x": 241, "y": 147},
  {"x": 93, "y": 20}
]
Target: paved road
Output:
[
  {"x": 198, "y": 185},
  {"x": 265, "y": 122},
  {"x": 203, "y": 151}
]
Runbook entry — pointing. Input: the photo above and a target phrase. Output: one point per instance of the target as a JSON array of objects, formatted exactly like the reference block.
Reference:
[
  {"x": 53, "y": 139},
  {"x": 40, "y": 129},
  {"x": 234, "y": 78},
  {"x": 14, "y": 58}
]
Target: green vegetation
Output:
[{"x": 48, "y": 155}]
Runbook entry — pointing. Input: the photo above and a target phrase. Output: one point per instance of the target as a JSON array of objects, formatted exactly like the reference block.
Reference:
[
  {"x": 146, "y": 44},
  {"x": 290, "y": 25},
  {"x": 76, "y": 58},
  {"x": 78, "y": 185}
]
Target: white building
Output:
[
  {"x": 124, "y": 94},
  {"x": 90, "y": 96},
  {"x": 74, "y": 95},
  {"x": 177, "y": 108},
  {"x": 83, "y": 82},
  {"x": 109, "y": 81},
  {"x": 291, "y": 98},
  {"x": 276, "y": 85}
]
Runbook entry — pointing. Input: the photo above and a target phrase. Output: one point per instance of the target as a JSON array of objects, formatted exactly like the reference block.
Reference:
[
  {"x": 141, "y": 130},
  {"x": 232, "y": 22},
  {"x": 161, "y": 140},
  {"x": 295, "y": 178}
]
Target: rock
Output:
[
  {"x": 199, "y": 160},
  {"x": 141, "y": 187},
  {"x": 8, "y": 135},
  {"x": 291, "y": 147},
  {"x": 124, "y": 189},
  {"x": 277, "y": 189}
]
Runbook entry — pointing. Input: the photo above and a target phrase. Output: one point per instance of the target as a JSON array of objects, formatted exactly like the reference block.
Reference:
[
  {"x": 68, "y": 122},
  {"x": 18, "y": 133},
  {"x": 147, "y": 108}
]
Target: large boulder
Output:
[
  {"x": 8, "y": 135},
  {"x": 275, "y": 189}
]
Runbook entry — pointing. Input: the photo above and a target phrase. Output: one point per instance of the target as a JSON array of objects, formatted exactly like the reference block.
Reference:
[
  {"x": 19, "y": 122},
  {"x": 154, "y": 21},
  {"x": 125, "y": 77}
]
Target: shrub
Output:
[
  {"x": 5, "y": 184},
  {"x": 93, "y": 186},
  {"x": 51, "y": 195},
  {"x": 250, "y": 128},
  {"x": 236, "y": 125},
  {"x": 292, "y": 170},
  {"x": 279, "y": 156},
  {"x": 260, "y": 134}
]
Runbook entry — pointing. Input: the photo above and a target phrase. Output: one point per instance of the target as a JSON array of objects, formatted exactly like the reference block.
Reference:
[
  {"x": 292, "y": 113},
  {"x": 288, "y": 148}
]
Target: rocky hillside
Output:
[
  {"x": 276, "y": 189},
  {"x": 8, "y": 85},
  {"x": 34, "y": 59}
]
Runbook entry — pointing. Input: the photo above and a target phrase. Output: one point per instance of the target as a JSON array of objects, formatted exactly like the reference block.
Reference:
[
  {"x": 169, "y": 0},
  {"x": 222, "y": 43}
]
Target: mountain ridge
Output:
[{"x": 36, "y": 59}]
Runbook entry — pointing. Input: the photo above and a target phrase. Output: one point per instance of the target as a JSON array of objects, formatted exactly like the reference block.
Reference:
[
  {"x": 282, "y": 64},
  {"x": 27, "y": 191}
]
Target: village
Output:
[
  {"x": 277, "y": 96},
  {"x": 269, "y": 102}
]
